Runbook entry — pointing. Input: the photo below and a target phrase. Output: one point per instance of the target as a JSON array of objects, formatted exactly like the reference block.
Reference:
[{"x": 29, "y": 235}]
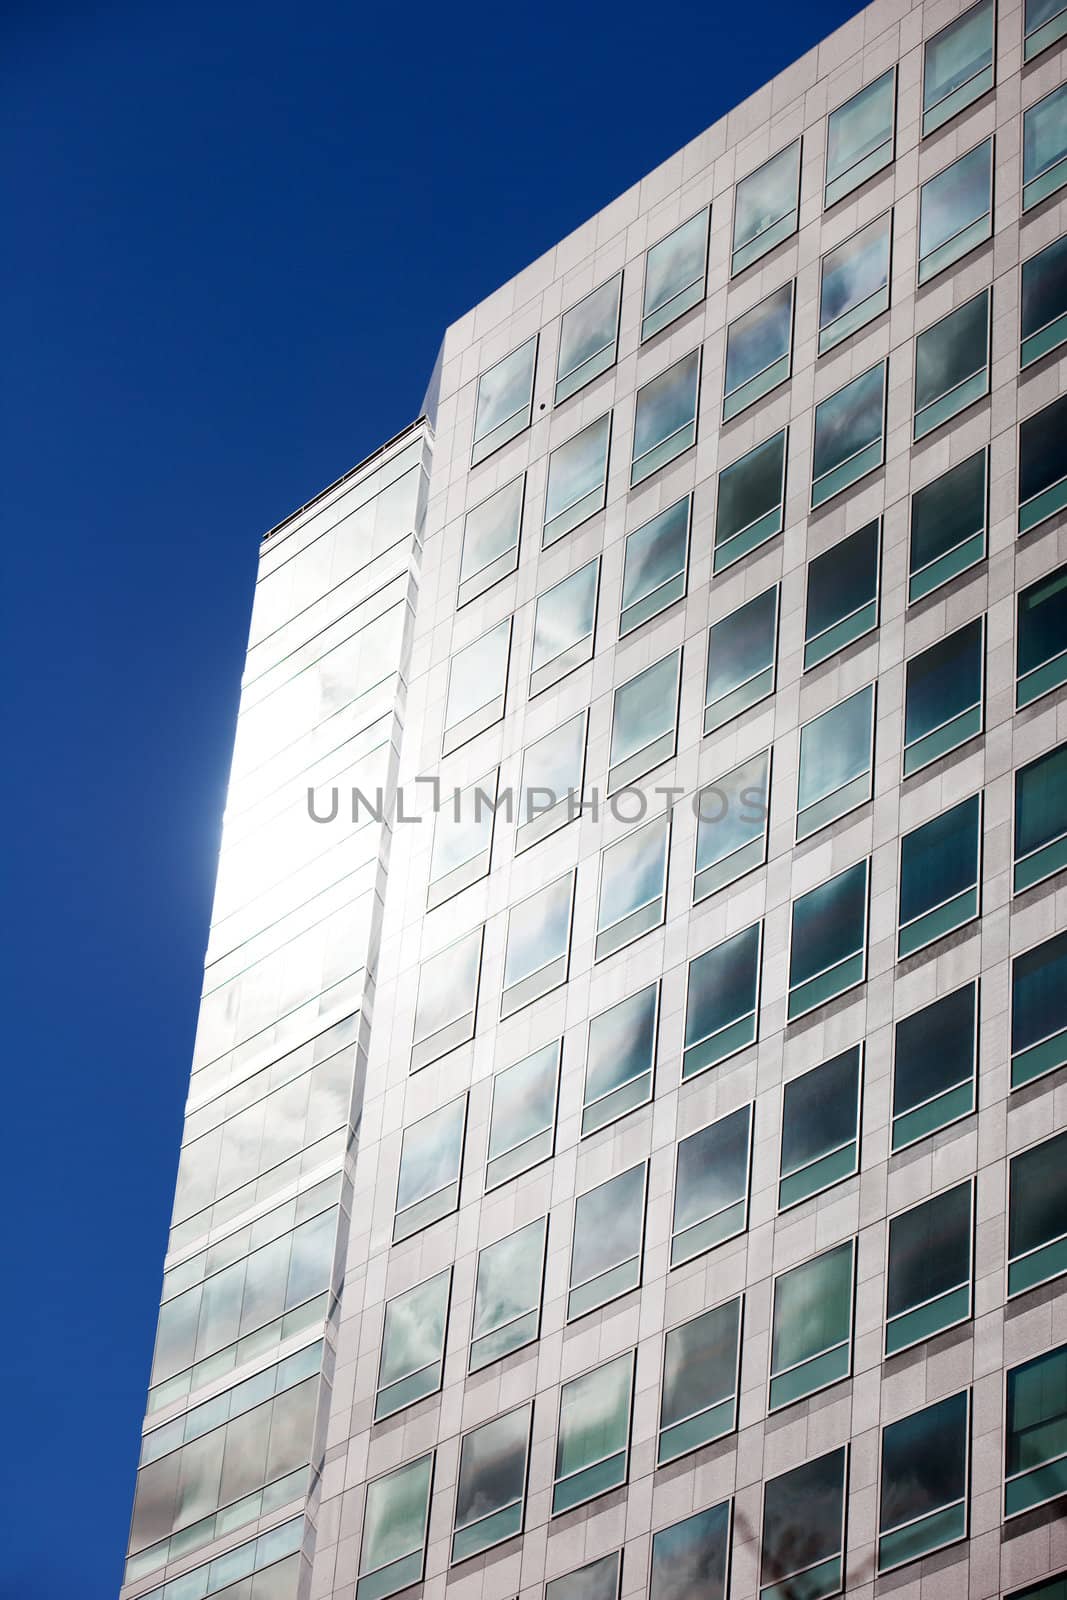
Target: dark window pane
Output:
[
  {"x": 1043, "y": 451},
  {"x": 803, "y": 1518},
  {"x": 597, "y": 1581},
  {"x": 939, "y": 860},
  {"x": 750, "y": 489},
  {"x": 929, "y": 1250},
  {"x": 954, "y": 210},
  {"x": 924, "y": 1462},
  {"x": 819, "y": 1110},
  {"x": 855, "y": 282},
  {"x": 935, "y": 1050},
  {"x": 1043, "y": 621},
  {"x": 951, "y": 363},
  {"x": 741, "y": 645},
  {"x": 847, "y": 425},
  {"x": 943, "y": 682},
  {"x": 1037, "y": 1197},
  {"x": 946, "y": 517},
  {"x": 1037, "y": 1418},
  {"x": 689, "y": 1559},
  {"x": 842, "y": 599},
  {"x": 1044, "y": 300},
  {"x": 959, "y": 65},
  {"x": 829, "y": 924}
]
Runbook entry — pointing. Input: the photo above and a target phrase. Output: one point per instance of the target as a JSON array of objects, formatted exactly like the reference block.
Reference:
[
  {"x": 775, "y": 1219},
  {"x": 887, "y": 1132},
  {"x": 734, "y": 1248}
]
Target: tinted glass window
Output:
[
  {"x": 1046, "y": 21},
  {"x": 588, "y": 337},
  {"x": 859, "y": 137},
  {"x": 690, "y": 1558},
  {"x": 766, "y": 205},
  {"x": 507, "y": 1294},
  {"x": 811, "y": 1331},
  {"x": 855, "y": 282},
  {"x": 563, "y": 627},
  {"x": 951, "y": 364},
  {"x": 476, "y": 683},
  {"x": 929, "y": 1276},
  {"x": 848, "y": 434},
  {"x": 577, "y": 475},
  {"x": 665, "y": 419},
  {"x": 959, "y": 65},
  {"x": 491, "y": 1488},
  {"x": 1037, "y": 1215},
  {"x": 1042, "y": 637},
  {"x": 597, "y": 1581},
  {"x": 592, "y": 1446},
  {"x": 939, "y": 875},
  {"x": 1043, "y": 465},
  {"x": 1036, "y": 1441},
  {"x": 751, "y": 496},
  {"x": 491, "y": 540},
  {"x": 699, "y": 1399},
  {"x": 413, "y": 1345},
  {"x": 955, "y": 210},
  {"x": 757, "y": 350},
  {"x": 924, "y": 1482},
  {"x": 820, "y": 1127},
  {"x": 836, "y": 760},
  {"x": 732, "y": 816},
  {"x": 522, "y": 1121},
  {"x": 943, "y": 697},
  {"x": 1044, "y": 301},
  {"x": 674, "y": 274},
  {"x": 1041, "y": 818},
  {"x": 722, "y": 1000},
  {"x": 842, "y": 602},
  {"x": 643, "y": 721},
  {"x": 539, "y": 931},
  {"x": 618, "y": 1067},
  {"x": 551, "y": 782},
  {"x": 430, "y": 1158},
  {"x": 948, "y": 525},
  {"x": 934, "y": 1066},
  {"x": 828, "y": 940},
  {"x": 1045, "y": 147},
  {"x": 1039, "y": 1010},
  {"x": 804, "y": 1525},
  {"x": 394, "y": 1530},
  {"x": 609, "y": 1224},
  {"x": 448, "y": 992},
  {"x": 711, "y": 1185},
  {"x": 505, "y": 399},
  {"x": 741, "y": 656},
  {"x": 633, "y": 882},
  {"x": 655, "y": 566}
]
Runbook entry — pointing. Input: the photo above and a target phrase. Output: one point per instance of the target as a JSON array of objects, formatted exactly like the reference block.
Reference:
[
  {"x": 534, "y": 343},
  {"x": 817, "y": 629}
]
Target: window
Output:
[
  {"x": 564, "y": 618},
  {"x": 758, "y": 346},
  {"x": 1035, "y": 1449},
  {"x": 931, "y": 1264},
  {"x": 491, "y": 1487},
  {"x": 538, "y": 944},
  {"x": 741, "y": 659},
  {"x": 836, "y": 762},
  {"x": 955, "y": 210},
  {"x": 1048, "y": 1588},
  {"x": 593, "y": 1444},
  {"x": 811, "y": 1326},
  {"x": 935, "y": 1056},
  {"x": 665, "y": 418},
  {"x": 505, "y": 401},
  {"x": 803, "y": 1546},
  {"x": 722, "y": 1000},
  {"x": 599, "y": 1580},
  {"x": 698, "y": 1402},
  {"x": 711, "y": 1186},
  {"x": 849, "y": 435},
  {"x": 491, "y": 540},
  {"x": 828, "y": 940},
  {"x": 751, "y": 500},
  {"x": 1039, "y": 1011},
  {"x": 958, "y": 68},
  {"x": 577, "y": 480},
  {"x": 943, "y": 696},
  {"x": 430, "y": 1160},
  {"x": 413, "y": 1345},
  {"x": 1037, "y": 1215},
  {"x": 1046, "y": 21},
  {"x": 393, "y": 1553},
  {"x": 948, "y": 525},
  {"x": 732, "y": 817},
  {"x": 588, "y": 338},
  {"x": 855, "y": 283},
  {"x": 1045, "y": 147},
  {"x": 1043, "y": 465},
  {"x": 675, "y": 270},
  {"x": 654, "y": 567},
  {"x": 633, "y": 886},
  {"x": 620, "y": 1059},
  {"x": 766, "y": 207},
  {"x": 609, "y": 1225},
  {"x": 507, "y": 1294},
  {"x": 462, "y": 840},
  {"x": 551, "y": 782},
  {"x": 923, "y": 1499},
  {"x": 477, "y": 681},
  {"x": 1041, "y": 663},
  {"x": 644, "y": 722},
  {"x": 1040, "y": 819},
  {"x": 1044, "y": 301},
  {"x": 859, "y": 137},
  {"x": 842, "y": 601},
  {"x": 820, "y": 1128},
  {"x": 939, "y": 867},
  {"x": 448, "y": 999},
  {"x": 951, "y": 365},
  {"x": 691, "y": 1557},
  {"x": 522, "y": 1122}
]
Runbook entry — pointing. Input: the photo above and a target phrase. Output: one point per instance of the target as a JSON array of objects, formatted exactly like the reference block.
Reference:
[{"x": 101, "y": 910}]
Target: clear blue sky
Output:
[{"x": 233, "y": 236}]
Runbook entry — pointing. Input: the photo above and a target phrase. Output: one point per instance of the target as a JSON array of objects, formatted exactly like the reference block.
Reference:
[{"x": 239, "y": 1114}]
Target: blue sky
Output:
[{"x": 234, "y": 235}]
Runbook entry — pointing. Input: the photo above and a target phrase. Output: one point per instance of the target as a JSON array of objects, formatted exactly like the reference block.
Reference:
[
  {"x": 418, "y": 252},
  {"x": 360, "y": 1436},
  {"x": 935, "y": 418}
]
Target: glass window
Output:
[
  {"x": 588, "y": 338},
  {"x": 836, "y": 762},
  {"x": 711, "y": 1186},
  {"x": 758, "y": 348},
  {"x": 577, "y": 480},
  {"x": 609, "y": 1226},
  {"x": 654, "y": 567},
  {"x": 698, "y": 1402},
  {"x": 958, "y": 68},
  {"x": 943, "y": 696},
  {"x": 1037, "y": 1215},
  {"x": 593, "y": 1443},
  {"x": 1039, "y": 1010},
  {"x": 849, "y": 435},
  {"x": 842, "y": 600},
  {"x": 1040, "y": 819},
  {"x": 620, "y": 1059},
  {"x": 1049, "y": 1588},
  {"x": 803, "y": 1546},
  {"x": 633, "y": 886},
  {"x": 491, "y": 1487},
  {"x": 928, "y": 1282},
  {"x": 551, "y": 782},
  {"x": 599, "y": 1580},
  {"x": 522, "y": 1122},
  {"x": 413, "y": 1345},
  {"x": 448, "y": 999},
  {"x": 430, "y": 1160},
  {"x": 644, "y": 722},
  {"x": 722, "y": 1000},
  {"x": 1035, "y": 1448},
  {"x": 477, "y": 680},
  {"x": 955, "y": 210},
  {"x": 948, "y": 525},
  {"x": 462, "y": 839},
  {"x": 820, "y": 1128},
  {"x": 939, "y": 868},
  {"x": 951, "y": 364},
  {"x": 811, "y": 1328},
  {"x": 665, "y": 418},
  {"x": 1043, "y": 464},
  {"x": 675, "y": 270},
  {"x": 741, "y": 659},
  {"x": 1046, "y": 21},
  {"x": 505, "y": 400},
  {"x": 1044, "y": 301},
  {"x": 491, "y": 540},
  {"x": 751, "y": 500},
  {"x": 859, "y": 137},
  {"x": 394, "y": 1530},
  {"x": 855, "y": 283},
  {"x": 1041, "y": 647},
  {"x": 538, "y": 944},
  {"x": 935, "y": 1055},
  {"x": 1045, "y": 147},
  {"x": 766, "y": 207},
  {"x": 923, "y": 1500},
  {"x": 564, "y": 618},
  {"x": 507, "y": 1294},
  {"x": 828, "y": 940},
  {"x": 732, "y": 816},
  {"x": 690, "y": 1558}
]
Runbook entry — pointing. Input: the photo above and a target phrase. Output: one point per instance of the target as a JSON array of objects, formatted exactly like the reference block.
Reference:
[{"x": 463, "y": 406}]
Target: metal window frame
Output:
[
  {"x": 852, "y": 1241},
  {"x": 739, "y": 1298},
  {"x": 924, "y": 109},
  {"x": 521, "y": 1502},
  {"x": 971, "y": 983},
  {"x": 891, "y": 141},
  {"x": 613, "y": 343},
  {"x": 902, "y": 838},
  {"x": 570, "y": 1320},
  {"x": 863, "y": 948},
  {"x": 782, "y": 1583},
  {"x": 969, "y": 1182},
  {"x": 872, "y": 688},
  {"x": 630, "y": 1355},
  {"x": 537, "y": 1306},
  {"x": 772, "y": 664},
  {"x": 1015, "y": 1295},
  {"x": 476, "y": 439},
  {"x": 735, "y": 272},
  {"x": 947, "y": 1544},
  {"x": 768, "y": 754},
  {"x": 980, "y": 703},
  {"x": 744, "y": 1198},
  {"x": 882, "y": 217},
  {"x": 702, "y": 279},
  {"x": 861, "y": 1047}
]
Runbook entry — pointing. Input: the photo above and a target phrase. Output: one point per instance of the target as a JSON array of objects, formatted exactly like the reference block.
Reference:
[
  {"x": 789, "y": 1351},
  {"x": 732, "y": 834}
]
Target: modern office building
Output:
[{"x": 626, "y": 1149}]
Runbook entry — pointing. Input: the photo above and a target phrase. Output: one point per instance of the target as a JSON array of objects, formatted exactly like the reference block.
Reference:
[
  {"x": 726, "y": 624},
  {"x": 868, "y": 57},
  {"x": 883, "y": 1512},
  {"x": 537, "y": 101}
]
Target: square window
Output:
[
  {"x": 722, "y": 1001},
  {"x": 948, "y": 525},
  {"x": 577, "y": 480},
  {"x": 665, "y": 417},
  {"x": 750, "y": 504},
  {"x": 1035, "y": 1446},
  {"x": 934, "y": 1071},
  {"x": 711, "y": 1186},
  {"x": 758, "y": 351},
  {"x": 951, "y": 365},
  {"x": 803, "y": 1545},
  {"x": 447, "y": 999},
  {"x": 732, "y": 817},
  {"x": 522, "y": 1122},
  {"x": 955, "y": 210},
  {"x": 633, "y": 887},
  {"x": 1037, "y": 1215},
  {"x": 855, "y": 283},
  {"x": 1045, "y": 147},
  {"x": 654, "y": 566},
  {"x": 507, "y": 1294},
  {"x": 1044, "y": 301},
  {"x": 1041, "y": 663},
  {"x": 836, "y": 762},
  {"x": 491, "y": 540},
  {"x": 588, "y": 338},
  {"x": 620, "y": 1059},
  {"x": 701, "y": 1365},
  {"x": 564, "y": 620},
  {"x": 923, "y": 1498},
  {"x": 599, "y": 1580},
  {"x": 931, "y": 1268},
  {"x": 393, "y": 1553},
  {"x": 675, "y": 273},
  {"x": 550, "y": 787},
  {"x": 1046, "y": 21},
  {"x": 609, "y": 1227},
  {"x": 491, "y": 1486},
  {"x": 462, "y": 839},
  {"x": 593, "y": 1443},
  {"x": 413, "y": 1345},
  {"x": 1043, "y": 465},
  {"x": 477, "y": 682},
  {"x": 644, "y": 722},
  {"x": 958, "y": 65},
  {"x": 766, "y": 207},
  {"x": 820, "y": 1128},
  {"x": 431, "y": 1158},
  {"x": 1040, "y": 819},
  {"x": 741, "y": 659},
  {"x": 505, "y": 401},
  {"x": 828, "y": 940},
  {"x": 538, "y": 944},
  {"x": 849, "y": 435},
  {"x": 842, "y": 597},
  {"x": 811, "y": 1327},
  {"x": 692, "y": 1557},
  {"x": 943, "y": 696},
  {"x": 1039, "y": 1011},
  {"x": 859, "y": 137},
  {"x": 940, "y": 876}
]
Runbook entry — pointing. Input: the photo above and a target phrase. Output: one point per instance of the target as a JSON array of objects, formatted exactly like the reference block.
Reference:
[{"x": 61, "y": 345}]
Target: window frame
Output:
[
  {"x": 733, "y": 1399},
  {"x": 1046, "y": 1039},
  {"x": 791, "y": 216},
  {"x": 768, "y": 525},
  {"x": 857, "y": 615},
  {"x": 1038, "y": 1468},
  {"x": 680, "y": 578},
  {"x": 454, "y": 1183},
  {"x": 511, "y": 1506},
  {"x": 560, "y": 812},
  {"x": 823, "y": 346},
  {"x": 1049, "y": 858},
  {"x": 648, "y": 316},
  {"x": 754, "y": 678},
  {"x": 964, "y": 250},
  {"x": 966, "y": 553},
  {"x": 650, "y": 472},
  {"x": 655, "y": 751},
  {"x": 1041, "y": 178},
  {"x": 456, "y": 734},
  {"x": 741, "y": 1021},
  {"x": 492, "y": 1183},
  {"x": 600, "y": 932},
  {"x": 512, "y": 1002},
  {"x": 869, "y": 171},
  {"x": 535, "y": 1311},
  {"x": 818, "y": 1162},
  {"x": 1056, "y": 329},
  {"x": 551, "y": 530},
  {"x": 475, "y": 867},
  {"x": 863, "y": 952},
  {"x": 966, "y": 1285},
  {"x": 626, "y": 1103},
  {"x": 1057, "y": 490},
  {"x": 970, "y": 1082},
  {"x": 857, "y": 456},
  {"x": 1057, "y": 1243},
  {"x": 783, "y": 1588},
  {"x": 561, "y": 1510},
  {"x": 677, "y": 1233},
  {"x": 476, "y": 456},
  {"x": 967, "y": 392},
  {"x": 728, "y": 1540},
  {"x": 871, "y": 690},
  {"x": 486, "y": 576},
  {"x": 1050, "y": 577},
  {"x": 738, "y": 400},
  {"x": 956, "y": 1538},
  {"x": 1057, "y": 23},
  {"x": 752, "y": 860},
  {"x": 613, "y": 345},
  {"x": 373, "y": 1591},
  {"x": 546, "y": 674},
  {"x": 969, "y": 732},
  {"x": 905, "y": 950},
  {"x": 579, "y": 1307},
  {"x": 847, "y": 1345},
  {"x": 951, "y": 104},
  {"x": 432, "y": 1046},
  {"x": 552, "y": 1590},
  {"x": 380, "y": 1389}
]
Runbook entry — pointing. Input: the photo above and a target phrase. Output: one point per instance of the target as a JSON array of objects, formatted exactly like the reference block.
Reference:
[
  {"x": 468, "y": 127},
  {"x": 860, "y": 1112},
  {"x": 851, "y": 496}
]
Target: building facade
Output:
[{"x": 626, "y": 1150}]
